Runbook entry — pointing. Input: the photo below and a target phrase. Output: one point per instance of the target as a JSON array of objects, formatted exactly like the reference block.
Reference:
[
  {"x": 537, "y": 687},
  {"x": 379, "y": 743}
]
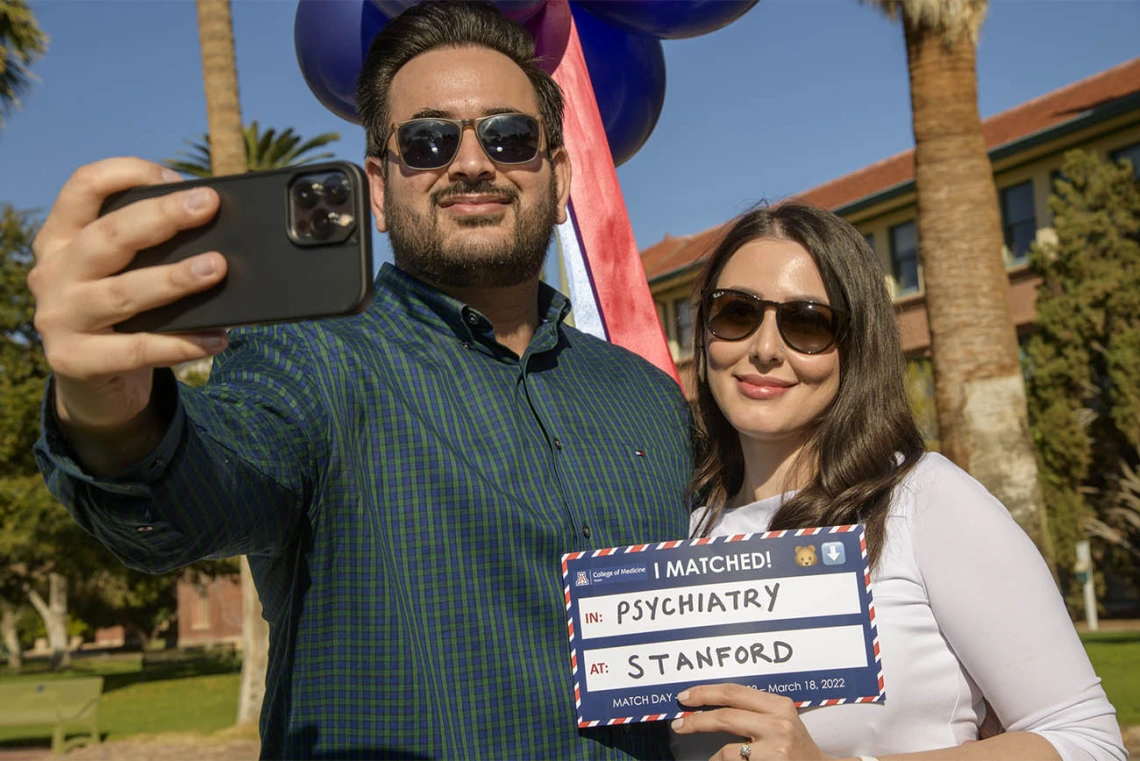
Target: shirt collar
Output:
[{"x": 438, "y": 311}]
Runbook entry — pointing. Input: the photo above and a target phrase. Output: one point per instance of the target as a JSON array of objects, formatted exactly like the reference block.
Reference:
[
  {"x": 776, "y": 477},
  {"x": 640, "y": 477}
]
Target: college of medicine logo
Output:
[{"x": 583, "y": 580}]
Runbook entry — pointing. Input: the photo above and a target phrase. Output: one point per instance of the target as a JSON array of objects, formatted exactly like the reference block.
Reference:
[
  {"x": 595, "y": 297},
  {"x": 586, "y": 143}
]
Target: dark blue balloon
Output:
[
  {"x": 519, "y": 10},
  {"x": 668, "y": 19},
  {"x": 331, "y": 40},
  {"x": 628, "y": 75}
]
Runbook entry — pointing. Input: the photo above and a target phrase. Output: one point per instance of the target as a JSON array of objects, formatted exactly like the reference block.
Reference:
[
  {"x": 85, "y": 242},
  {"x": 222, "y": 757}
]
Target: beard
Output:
[{"x": 417, "y": 241}]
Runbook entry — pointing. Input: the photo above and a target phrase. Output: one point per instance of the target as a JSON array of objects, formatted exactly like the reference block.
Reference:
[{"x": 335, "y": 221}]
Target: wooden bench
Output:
[{"x": 60, "y": 703}]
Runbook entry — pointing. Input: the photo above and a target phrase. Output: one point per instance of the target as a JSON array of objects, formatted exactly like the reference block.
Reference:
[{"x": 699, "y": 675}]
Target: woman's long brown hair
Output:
[{"x": 864, "y": 443}]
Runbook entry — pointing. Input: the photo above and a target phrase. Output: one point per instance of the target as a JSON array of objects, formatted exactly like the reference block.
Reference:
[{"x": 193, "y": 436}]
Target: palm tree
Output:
[
  {"x": 227, "y": 156},
  {"x": 21, "y": 44},
  {"x": 978, "y": 386},
  {"x": 266, "y": 150}
]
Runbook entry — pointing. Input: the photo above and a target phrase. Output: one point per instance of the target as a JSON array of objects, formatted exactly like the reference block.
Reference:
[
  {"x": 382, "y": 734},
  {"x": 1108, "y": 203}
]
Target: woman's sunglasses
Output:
[
  {"x": 806, "y": 326},
  {"x": 432, "y": 143}
]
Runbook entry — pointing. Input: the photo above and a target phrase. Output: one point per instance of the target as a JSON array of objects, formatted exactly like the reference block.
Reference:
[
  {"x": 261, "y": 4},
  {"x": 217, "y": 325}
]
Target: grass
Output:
[
  {"x": 168, "y": 697},
  {"x": 202, "y": 696},
  {"x": 1116, "y": 658}
]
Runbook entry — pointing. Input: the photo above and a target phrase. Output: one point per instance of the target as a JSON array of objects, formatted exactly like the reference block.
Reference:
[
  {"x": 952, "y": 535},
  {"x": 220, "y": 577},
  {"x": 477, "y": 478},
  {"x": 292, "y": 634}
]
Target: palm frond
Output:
[
  {"x": 263, "y": 150},
  {"x": 949, "y": 19},
  {"x": 22, "y": 43}
]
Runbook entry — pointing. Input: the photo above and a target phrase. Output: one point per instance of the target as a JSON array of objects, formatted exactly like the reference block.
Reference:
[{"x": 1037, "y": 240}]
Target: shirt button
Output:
[
  {"x": 145, "y": 529},
  {"x": 472, "y": 318},
  {"x": 586, "y": 530},
  {"x": 558, "y": 444},
  {"x": 466, "y": 344}
]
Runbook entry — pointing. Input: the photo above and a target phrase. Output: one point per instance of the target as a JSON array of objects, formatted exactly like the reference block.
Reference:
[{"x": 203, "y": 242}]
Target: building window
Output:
[
  {"x": 202, "y": 608},
  {"x": 904, "y": 258},
  {"x": 1129, "y": 153},
  {"x": 676, "y": 316},
  {"x": 1019, "y": 222},
  {"x": 683, "y": 325}
]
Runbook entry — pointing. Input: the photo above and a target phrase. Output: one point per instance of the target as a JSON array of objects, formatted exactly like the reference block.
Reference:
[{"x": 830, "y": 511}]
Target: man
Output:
[{"x": 404, "y": 481}]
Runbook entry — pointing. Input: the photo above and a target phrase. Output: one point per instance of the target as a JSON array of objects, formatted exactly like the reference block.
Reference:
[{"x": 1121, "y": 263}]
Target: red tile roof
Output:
[{"x": 1049, "y": 110}]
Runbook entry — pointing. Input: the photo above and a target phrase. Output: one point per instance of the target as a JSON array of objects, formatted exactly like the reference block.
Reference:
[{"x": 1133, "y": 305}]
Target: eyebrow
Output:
[{"x": 436, "y": 113}]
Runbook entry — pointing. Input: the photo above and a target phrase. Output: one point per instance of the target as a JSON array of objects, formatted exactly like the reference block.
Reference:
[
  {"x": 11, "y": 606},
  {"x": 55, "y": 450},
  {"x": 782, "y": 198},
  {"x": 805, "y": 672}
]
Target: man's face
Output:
[{"x": 473, "y": 223}]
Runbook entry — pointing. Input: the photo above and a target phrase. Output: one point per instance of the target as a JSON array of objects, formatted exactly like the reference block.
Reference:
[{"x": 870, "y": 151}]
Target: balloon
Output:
[
  {"x": 668, "y": 19},
  {"x": 628, "y": 74},
  {"x": 519, "y": 10},
  {"x": 331, "y": 40},
  {"x": 620, "y": 41}
]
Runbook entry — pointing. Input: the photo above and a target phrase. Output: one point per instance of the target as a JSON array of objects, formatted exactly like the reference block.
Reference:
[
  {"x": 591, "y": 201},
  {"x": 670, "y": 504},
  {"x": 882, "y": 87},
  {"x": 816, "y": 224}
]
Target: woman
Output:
[{"x": 801, "y": 397}]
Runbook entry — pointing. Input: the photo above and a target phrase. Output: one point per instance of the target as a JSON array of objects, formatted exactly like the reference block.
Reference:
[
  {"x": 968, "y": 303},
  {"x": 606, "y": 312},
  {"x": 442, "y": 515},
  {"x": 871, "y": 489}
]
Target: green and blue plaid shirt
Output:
[{"x": 405, "y": 487}]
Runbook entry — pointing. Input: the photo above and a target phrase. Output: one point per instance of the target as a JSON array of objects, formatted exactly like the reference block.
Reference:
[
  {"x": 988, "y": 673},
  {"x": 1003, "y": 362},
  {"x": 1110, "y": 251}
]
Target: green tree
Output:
[
  {"x": 979, "y": 391},
  {"x": 263, "y": 150},
  {"x": 21, "y": 44},
  {"x": 1084, "y": 359},
  {"x": 39, "y": 543}
]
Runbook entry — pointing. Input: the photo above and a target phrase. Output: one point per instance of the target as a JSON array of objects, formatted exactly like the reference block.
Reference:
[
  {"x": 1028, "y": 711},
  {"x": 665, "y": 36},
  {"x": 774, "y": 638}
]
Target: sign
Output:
[{"x": 788, "y": 612}]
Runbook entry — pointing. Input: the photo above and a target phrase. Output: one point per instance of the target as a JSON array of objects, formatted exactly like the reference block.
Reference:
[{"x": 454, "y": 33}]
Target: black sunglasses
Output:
[
  {"x": 432, "y": 143},
  {"x": 806, "y": 326}
]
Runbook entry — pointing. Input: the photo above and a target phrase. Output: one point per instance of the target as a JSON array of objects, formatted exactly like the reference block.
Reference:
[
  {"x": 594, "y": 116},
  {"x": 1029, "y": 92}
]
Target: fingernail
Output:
[
  {"x": 678, "y": 723},
  {"x": 212, "y": 342},
  {"x": 197, "y": 199},
  {"x": 683, "y": 695},
  {"x": 204, "y": 266},
  {"x": 171, "y": 176}
]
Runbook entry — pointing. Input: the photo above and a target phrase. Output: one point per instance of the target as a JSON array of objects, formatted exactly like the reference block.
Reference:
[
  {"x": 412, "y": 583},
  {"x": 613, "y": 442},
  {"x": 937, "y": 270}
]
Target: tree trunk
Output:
[
  {"x": 227, "y": 156},
  {"x": 54, "y": 614},
  {"x": 219, "y": 74},
  {"x": 979, "y": 390},
  {"x": 255, "y": 650},
  {"x": 10, "y": 635}
]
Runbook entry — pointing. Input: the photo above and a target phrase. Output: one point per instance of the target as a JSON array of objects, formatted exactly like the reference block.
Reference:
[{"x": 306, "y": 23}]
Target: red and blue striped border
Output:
[{"x": 607, "y": 552}]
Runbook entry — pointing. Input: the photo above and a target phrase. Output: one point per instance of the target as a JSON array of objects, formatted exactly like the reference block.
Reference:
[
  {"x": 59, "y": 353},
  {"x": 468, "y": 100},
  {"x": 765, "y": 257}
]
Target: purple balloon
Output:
[
  {"x": 668, "y": 19},
  {"x": 519, "y": 10},
  {"x": 627, "y": 71},
  {"x": 331, "y": 40}
]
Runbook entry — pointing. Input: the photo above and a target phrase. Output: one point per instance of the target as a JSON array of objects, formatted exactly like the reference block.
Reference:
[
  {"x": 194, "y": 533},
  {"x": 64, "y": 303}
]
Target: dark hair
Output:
[
  {"x": 866, "y": 440},
  {"x": 431, "y": 25}
]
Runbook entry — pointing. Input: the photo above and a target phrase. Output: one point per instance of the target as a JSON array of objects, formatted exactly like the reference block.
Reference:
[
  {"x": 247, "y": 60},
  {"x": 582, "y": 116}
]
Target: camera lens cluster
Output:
[{"x": 321, "y": 206}]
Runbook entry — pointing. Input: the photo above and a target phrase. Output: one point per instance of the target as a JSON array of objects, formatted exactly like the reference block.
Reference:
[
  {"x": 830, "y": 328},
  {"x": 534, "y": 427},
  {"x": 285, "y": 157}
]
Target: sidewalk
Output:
[{"x": 1111, "y": 625}]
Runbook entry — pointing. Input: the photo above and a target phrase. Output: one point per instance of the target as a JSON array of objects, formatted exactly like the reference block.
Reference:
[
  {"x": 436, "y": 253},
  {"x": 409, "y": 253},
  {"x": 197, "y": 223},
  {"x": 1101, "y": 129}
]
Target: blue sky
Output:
[{"x": 793, "y": 94}]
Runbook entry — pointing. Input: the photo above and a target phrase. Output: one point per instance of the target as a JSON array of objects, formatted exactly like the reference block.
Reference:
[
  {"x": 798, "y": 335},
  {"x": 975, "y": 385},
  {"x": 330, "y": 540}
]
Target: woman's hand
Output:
[{"x": 770, "y": 723}]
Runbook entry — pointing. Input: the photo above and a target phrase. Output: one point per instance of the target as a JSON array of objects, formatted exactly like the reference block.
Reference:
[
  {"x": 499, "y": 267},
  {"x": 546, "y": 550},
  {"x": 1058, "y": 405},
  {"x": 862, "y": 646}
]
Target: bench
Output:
[{"x": 60, "y": 703}]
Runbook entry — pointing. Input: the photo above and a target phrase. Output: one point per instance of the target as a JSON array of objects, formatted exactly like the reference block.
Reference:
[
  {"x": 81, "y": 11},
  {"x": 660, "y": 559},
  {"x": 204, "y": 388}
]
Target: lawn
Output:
[
  {"x": 171, "y": 697},
  {"x": 1116, "y": 658},
  {"x": 202, "y": 697}
]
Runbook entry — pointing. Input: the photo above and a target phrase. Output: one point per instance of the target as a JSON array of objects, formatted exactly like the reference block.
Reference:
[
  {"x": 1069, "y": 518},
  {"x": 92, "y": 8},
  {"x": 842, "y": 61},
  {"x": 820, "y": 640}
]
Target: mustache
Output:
[{"x": 473, "y": 188}]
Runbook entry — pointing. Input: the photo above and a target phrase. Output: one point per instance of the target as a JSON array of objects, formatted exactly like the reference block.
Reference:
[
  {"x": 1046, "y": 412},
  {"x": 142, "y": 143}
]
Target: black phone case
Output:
[{"x": 270, "y": 276}]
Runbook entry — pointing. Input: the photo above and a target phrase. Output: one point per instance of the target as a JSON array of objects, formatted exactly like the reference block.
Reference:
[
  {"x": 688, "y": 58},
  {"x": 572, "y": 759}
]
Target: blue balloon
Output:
[
  {"x": 668, "y": 19},
  {"x": 331, "y": 40},
  {"x": 519, "y": 10},
  {"x": 627, "y": 71}
]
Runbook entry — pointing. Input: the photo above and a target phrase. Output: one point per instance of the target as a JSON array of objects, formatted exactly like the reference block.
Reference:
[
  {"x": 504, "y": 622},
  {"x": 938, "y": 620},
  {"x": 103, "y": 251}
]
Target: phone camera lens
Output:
[
  {"x": 305, "y": 194},
  {"x": 322, "y": 224},
  {"x": 336, "y": 190}
]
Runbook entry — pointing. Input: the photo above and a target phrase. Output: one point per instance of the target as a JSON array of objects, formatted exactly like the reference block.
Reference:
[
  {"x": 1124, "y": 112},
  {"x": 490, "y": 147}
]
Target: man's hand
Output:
[{"x": 104, "y": 378}]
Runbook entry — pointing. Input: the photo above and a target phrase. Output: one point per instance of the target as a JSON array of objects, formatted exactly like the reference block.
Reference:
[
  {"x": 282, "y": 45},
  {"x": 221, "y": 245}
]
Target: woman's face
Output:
[{"x": 766, "y": 389}]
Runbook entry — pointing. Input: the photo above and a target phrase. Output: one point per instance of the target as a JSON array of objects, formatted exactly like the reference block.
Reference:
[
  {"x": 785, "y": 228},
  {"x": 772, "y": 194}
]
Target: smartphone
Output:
[{"x": 297, "y": 243}]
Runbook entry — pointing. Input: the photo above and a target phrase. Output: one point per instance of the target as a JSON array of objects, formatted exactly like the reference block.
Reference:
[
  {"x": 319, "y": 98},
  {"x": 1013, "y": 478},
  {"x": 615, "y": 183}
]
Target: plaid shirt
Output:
[{"x": 405, "y": 487}]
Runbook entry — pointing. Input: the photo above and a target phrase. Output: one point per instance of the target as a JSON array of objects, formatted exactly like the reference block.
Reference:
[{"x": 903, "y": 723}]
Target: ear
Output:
[
  {"x": 376, "y": 185},
  {"x": 560, "y": 163}
]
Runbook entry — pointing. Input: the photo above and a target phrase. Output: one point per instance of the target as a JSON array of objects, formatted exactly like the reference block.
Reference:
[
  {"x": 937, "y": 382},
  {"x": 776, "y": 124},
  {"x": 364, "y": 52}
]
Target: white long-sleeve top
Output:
[{"x": 966, "y": 610}]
